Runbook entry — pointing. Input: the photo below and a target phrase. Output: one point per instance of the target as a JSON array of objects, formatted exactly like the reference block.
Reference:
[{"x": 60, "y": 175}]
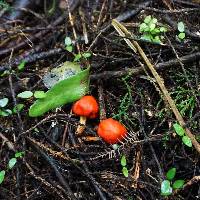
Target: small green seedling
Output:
[
  {"x": 181, "y": 132},
  {"x": 123, "y": 164},
  {"x": 11, "y": 163},
  {"x": 168, "y": 185},
  {"x": 181, "y": 29},
  {"x": 77, "y": 57},
  {"x": 68, "y": 44},
  {"x": 4, "y": 112},
  {"x": 4, "y": 5},
  {"x": 151, "y": 31},
  {"x": 21, "y": 66}
]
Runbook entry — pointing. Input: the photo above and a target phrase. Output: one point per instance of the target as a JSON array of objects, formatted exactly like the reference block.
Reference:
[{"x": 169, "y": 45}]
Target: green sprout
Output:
[
  {"x": 151, "y": 31},
  {"x": 181, "y": 29},
  {"x": 11, "y": 163},
  {"x": 123, "y": 164},
  {"x": 168, "y": 185},
  {"x": 181, "y": 132}
]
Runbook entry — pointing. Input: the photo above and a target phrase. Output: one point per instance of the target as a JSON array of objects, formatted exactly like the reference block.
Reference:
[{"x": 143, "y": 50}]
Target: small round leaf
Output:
[
  {"x": 171, "y": 173},
  {"x": 2, "y": 175},
  {"x": 19, "y": 154},
  {"x": 187, "y": 141},
  {"x": 178, "y": 184},
  {"x": 3, "y": 102},
  {"x": 181, "y": 27},
  {"x": 39, "y": 94},
  {"x": 68, "y": 41},
  {"x": 181, "y": 36},
  {"x": 123, "y": 161},
  {"x": 166, "y": 188},
  {"x": 125, "y": 171},
  {"x": 25, "y": 94},
  {"x": 69, "y": 48},
  {"x": 147, "y": 19},
  {"x": 12, "y": 163},
  {"x": 179, "y": 130}
]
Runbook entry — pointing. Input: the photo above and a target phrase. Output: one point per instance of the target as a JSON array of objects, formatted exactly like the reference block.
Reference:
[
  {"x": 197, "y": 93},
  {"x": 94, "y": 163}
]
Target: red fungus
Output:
[
  {"x": 86, "y": 107},
  {"x": 111, "y": 131}
]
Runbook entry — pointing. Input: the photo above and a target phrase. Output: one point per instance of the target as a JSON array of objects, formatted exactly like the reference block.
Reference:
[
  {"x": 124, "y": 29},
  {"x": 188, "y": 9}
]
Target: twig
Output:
[
  {"x": 161, "y": 66},
  {"x": 9, "y": 144}
]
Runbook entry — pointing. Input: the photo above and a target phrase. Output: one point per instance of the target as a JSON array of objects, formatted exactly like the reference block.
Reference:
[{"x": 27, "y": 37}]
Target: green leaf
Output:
[
  {"x": 25, "y": 95},
  {"x": 69, "y": 48},
  {"x": 19, "y": 154},
  {"x": 143, "y": 27},
  {"x": 181, "y": 27},
  {"x": 178, "y": 129},
  {"x": 21, "y": 66},
  {"x": 123, "y": 161},
  {"x": 157, "y": 39},
  {"x": 5, "y": 113},
  {"x": 163, "y": 29},
  {"x": 154, "y": 20},
  {"x": 187, "y": 141},
  {"x": 12, "y": 163},
  {"x": 155, "y": 31},
  {"x": 77, "y": 57},
  {"x": 181, "y": 36},
  {"x": 2, "y": 175},
  {"x": 68, "y": 41},
  {"x": 125, "y": 171},
  {"x": 3, "y": 102},
  {"x": 65, "y": 91},
  {"x": 39, "y": 94},
  {"x": 147, "y": 19},
  {"x": 18, "y": 108},
  {"x": 86, "y": 54},
  {"x": 152, "y": 26},
  {"x": 166, "y": 188},
  {"x": 178, "y": 184},
  {"x": 115, "y": 146},
  {"x": 146, "y": 37},
  {"x": 171, "y": 173}
]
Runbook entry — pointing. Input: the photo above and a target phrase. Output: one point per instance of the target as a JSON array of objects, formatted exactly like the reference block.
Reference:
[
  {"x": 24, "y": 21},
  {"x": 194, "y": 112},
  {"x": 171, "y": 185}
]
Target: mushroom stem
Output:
[{"x": 81, "y": 126}]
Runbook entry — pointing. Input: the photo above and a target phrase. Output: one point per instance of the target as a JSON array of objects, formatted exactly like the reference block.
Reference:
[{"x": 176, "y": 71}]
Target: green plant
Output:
[
  {"x": 168, "y": 185},
  {"x": 4, "y": 112},
  {"x": 4, "y": 5},
  {"x": 151, "y": 31},
  {"x": 21, "y": 65},
  {"x": 181, "y": 29},
  {"x": 181, "y": 132},
  {"x": 77, "y": 57},
  {"x": 11, "y": 163},
  {"x": 123, "y": 164}
]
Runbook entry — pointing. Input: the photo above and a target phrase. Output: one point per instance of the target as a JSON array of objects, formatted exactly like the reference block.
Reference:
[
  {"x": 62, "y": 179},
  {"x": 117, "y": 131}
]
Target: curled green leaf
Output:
[{"x": 65, "y": 91}]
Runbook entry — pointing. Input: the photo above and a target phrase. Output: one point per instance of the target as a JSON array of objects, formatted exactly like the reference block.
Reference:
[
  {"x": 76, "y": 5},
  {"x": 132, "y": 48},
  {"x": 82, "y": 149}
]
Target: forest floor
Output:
[{"x": 144, "y": 72}]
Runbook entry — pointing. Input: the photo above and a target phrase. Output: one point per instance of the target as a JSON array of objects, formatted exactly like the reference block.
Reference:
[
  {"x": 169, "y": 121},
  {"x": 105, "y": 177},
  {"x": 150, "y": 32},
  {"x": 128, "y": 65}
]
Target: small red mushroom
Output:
[
  {"x": 111, "y": 131},
  {"x": 86, "y": 107}
]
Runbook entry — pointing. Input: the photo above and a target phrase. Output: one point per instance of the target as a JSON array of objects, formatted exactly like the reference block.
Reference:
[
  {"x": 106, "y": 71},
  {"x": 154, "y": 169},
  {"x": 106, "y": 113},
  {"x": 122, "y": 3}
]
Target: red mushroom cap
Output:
[
  {"x": 87, "y": 106},
  {"x": 111, "y": 131}
]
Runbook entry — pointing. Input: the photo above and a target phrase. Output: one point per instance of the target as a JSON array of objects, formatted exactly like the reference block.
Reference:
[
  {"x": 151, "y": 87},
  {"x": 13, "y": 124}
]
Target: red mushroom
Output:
[
  {"x": 111, "y": 131},
  {"x": 86, "y": 107}
]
